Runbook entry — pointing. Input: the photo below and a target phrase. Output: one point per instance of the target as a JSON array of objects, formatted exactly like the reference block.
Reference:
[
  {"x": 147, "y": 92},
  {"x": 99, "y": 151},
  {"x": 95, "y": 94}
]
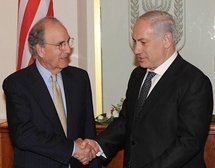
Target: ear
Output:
[
  {"x": 40, "y": 50},
  {"x": 167, "y": 40}
]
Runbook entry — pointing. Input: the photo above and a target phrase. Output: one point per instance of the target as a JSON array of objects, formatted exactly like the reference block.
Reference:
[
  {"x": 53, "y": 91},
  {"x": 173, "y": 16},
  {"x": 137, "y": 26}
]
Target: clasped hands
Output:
[{"x": 85, "y": 150}]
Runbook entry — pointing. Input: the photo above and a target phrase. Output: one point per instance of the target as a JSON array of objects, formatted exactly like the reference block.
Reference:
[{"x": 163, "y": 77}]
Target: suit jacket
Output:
[
  {"x": 35, "y": 129},
  {"x": 171, "y": 129}
]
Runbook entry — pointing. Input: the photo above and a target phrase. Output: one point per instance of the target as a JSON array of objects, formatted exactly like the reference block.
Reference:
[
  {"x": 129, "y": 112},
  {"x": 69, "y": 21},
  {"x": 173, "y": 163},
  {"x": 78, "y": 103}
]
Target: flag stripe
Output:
[
  {"x": 30, "y": 11},
  {"x": 27, "y": 20},
  {"x": 50, "y": 9},
  {"x": 21, "y": 10}
]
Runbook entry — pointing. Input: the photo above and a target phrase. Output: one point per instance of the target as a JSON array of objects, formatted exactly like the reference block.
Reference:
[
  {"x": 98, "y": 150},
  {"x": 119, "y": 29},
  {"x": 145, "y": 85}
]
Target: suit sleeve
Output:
[
  {"x": 114, "y": 136},
  {"x": 90, "y": 130}
]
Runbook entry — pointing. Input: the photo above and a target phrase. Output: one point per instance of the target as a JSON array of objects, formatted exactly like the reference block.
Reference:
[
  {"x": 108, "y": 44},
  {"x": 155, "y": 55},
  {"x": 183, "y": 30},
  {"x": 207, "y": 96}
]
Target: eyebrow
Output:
[
  {"x": 138, "y": 39},
  {"x": 64, "y": 41}
]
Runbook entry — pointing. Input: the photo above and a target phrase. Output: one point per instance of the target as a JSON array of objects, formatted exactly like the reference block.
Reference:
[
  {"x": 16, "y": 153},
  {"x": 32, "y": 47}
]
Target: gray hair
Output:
[
  {"x": 36, "y": 34},
  {"x": 162, "y": 22}
]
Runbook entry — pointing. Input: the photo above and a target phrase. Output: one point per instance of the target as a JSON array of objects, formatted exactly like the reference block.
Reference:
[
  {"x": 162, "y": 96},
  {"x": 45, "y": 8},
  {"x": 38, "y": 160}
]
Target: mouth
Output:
[
  {"x": 141, "y": 58},
  {"x": 64, "y": 57}
]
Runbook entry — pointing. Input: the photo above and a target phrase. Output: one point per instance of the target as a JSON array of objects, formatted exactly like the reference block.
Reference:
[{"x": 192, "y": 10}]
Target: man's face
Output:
[
  {"x": 148, "y": 46},
  {"x": 52, "y": 57}
]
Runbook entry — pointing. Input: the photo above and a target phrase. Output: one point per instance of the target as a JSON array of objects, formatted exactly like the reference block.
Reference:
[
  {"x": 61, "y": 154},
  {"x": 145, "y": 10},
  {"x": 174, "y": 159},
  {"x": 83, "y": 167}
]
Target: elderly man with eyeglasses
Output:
[{"x": 42, "y": 136}]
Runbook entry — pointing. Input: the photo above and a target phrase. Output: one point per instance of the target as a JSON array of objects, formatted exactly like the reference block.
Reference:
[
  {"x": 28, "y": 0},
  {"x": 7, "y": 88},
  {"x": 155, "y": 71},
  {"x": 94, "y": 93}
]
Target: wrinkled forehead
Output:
[
  {"x": 142, "y": 26},
  {"x": 55, "y": 30}
]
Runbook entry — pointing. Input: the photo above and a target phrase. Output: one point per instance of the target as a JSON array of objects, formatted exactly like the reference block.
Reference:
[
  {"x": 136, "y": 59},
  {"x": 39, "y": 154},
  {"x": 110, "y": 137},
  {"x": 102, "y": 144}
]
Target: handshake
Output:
[{"x": 85, "y": 150}]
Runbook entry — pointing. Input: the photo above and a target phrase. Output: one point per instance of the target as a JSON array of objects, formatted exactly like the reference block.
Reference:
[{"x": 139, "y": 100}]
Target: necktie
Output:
[
  {"x": 144, "y": 91},
  {"x": 59, "y": 102}
]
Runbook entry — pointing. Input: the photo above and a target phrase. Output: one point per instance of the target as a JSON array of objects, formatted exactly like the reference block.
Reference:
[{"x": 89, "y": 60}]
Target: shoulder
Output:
[
  {"x": 181, "y": 67},
  {"x": 188, "y": 74},
  {"x": 191, "y": 71},
  {"x": 75, "y": 74},
  {"x": 136, "y": 76},
  {"x": 18, "y": 75},
  {"x": 71, "y": 70},
  {"x": 17, "y": 79},
  {"x": 138, "y": 72}
]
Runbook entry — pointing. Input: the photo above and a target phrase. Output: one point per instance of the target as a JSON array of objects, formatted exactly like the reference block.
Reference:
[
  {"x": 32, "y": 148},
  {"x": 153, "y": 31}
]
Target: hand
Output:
[
  {"x": 83, "y": 151},
  {"x": 93, "y": 144}
]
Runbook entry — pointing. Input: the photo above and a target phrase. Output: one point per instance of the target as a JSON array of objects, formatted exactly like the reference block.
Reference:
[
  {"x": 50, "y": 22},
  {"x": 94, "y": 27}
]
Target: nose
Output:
[
  {"x": 137, "y": 48},
  {"x": 68, "y": 49}
]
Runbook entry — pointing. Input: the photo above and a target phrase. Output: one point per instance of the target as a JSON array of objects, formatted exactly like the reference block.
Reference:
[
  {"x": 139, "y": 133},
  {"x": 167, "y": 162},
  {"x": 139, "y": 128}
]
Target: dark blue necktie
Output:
[{"x": 144, "y": 91}]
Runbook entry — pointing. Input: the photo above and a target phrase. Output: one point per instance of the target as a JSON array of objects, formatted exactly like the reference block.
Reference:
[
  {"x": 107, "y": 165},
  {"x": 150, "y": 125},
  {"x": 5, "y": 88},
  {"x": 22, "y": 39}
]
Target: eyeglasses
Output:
[{"x": 63, "y": 44}]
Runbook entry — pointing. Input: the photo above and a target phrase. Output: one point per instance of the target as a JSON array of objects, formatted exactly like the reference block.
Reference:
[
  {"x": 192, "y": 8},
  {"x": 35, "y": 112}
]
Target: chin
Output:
[
  {"x": 143, "y": 65},
  {"x": 64, "y": 65}
]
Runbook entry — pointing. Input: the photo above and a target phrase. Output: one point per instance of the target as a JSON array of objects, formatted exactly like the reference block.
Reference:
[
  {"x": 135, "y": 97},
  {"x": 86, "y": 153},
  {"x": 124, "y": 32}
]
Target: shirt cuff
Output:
[
  {"x": 101, "y": 152},
  {"x": 74, "y": 147}
]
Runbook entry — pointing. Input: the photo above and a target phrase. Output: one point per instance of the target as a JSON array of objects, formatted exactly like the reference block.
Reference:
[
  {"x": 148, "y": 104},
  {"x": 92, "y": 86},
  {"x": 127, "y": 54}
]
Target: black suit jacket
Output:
[
  {"x": 35, "y": 129},
  {"x": 171, "y": 129}
]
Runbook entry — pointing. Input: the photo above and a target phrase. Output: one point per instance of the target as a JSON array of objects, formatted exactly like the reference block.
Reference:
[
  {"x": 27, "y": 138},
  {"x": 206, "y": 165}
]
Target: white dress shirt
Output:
[
  {"x": 160, "y": 71},
  {"x": 46, "y": 75}
]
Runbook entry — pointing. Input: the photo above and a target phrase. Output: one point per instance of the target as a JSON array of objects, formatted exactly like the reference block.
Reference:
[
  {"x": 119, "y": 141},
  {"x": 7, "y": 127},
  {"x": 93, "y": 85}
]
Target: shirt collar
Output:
[
  {"x": 45, "y": 73},
  {"x": 164, "y": 66}
]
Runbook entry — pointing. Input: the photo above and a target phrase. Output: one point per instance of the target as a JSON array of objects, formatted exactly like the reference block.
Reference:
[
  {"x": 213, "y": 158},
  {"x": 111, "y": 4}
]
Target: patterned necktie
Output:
[
  {"x": 144, "y": 91},
  {"x": 59, "y": 102}
]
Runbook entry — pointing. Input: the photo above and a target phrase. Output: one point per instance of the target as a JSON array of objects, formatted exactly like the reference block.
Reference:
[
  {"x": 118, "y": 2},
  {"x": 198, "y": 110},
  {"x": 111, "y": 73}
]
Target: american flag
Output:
[{"x": 29, "y": 12}]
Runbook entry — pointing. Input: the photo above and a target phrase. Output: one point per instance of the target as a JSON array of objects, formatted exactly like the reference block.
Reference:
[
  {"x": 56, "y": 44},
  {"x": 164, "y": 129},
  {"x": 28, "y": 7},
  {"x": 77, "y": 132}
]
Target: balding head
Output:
[
  {"x": 37, "y": 33},
  {"x": 161, "y": 22}
]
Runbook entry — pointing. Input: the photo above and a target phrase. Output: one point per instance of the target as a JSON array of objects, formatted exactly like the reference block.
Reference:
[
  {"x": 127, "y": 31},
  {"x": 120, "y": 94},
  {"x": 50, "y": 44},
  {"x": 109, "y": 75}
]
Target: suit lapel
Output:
[
  {"x": 134, "y": 87},
  {"x": 41, "y": 94},
  {"x": 163, "y": 85},
  {"x": 70, "y": 91}
]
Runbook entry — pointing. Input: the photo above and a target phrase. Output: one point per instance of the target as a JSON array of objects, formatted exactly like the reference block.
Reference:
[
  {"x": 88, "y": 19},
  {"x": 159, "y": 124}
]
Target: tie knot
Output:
[
  {"x": 150, "y": 75},
  {"x": 54, "y": 77}
]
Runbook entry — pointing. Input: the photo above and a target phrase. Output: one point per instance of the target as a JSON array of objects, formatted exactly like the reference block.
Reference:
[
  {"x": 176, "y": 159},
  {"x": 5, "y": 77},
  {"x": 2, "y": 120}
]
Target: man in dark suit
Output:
[
  {"x": 169, "y": 128},
  {"x": 39, "y": 137}
]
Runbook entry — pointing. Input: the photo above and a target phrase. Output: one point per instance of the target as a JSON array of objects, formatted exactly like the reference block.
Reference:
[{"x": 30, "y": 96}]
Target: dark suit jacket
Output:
[
  {"x": 35, "y": 129},
  {"x": 171, "y": 129}
]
